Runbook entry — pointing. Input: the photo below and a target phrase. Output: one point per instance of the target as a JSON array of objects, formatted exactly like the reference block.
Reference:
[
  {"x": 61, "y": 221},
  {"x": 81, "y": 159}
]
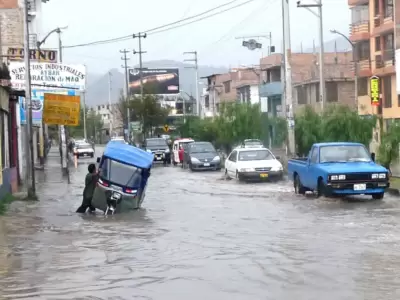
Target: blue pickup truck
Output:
[{"x": 339, "y": 169}]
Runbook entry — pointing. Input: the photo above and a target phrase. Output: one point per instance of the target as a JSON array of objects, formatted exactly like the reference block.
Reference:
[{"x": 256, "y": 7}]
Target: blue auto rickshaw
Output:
[{"x": 123, "y": 174}]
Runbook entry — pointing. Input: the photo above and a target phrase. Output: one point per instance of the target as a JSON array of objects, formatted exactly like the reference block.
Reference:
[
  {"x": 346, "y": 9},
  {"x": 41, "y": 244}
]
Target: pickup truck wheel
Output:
[
  {"x": 378, "y": 196},
  {"x": 322, "y": 190},
  {"x": 298, "y": 187}
]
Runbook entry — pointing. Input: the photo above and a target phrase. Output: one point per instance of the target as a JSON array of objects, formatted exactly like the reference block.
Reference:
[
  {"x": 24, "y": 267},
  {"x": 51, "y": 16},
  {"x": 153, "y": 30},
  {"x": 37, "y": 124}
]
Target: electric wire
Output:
[{"x": 161, "y": 27}]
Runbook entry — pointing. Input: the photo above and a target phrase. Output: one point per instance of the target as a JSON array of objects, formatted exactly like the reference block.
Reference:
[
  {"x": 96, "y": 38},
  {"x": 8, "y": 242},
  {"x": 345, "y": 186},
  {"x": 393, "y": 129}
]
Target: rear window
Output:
[{"x": 120, "y": 174}]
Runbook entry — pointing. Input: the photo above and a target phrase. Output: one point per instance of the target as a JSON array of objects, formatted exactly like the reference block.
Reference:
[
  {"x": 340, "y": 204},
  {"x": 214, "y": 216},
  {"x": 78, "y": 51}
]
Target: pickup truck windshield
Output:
[
  {"x": 255, "y": 155},
  {"x": 156, "y": 143},
  {"x": 345, "y": 153}
]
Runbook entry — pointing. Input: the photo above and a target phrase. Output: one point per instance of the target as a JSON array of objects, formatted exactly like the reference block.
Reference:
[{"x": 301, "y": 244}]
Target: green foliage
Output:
[
  {"x": 388, "y": 150},
  {"x": 149, "y": 111},
  {"x": 235, "y": 123},
  {"x": 94, "y": 124},
  {"x": 5, "y": 202},
  {"x": 337, "y": 123}
]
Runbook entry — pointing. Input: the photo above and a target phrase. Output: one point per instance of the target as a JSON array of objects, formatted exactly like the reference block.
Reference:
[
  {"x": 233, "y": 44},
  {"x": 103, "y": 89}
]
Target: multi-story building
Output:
[
  {"x": 223, "y": 87},
  {"x": 372, "y": 32},
  {"x": 305, "y": 78},
  {"x": 111, "y": 117}
]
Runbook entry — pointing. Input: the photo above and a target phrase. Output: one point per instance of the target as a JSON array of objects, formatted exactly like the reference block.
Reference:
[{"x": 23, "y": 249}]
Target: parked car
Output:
[
  {"x": 253, "y": 164},
  {"x": 202, "y": 156},
  {"x": 339, "y": 169},
  {"x": 160, "y": 149}
]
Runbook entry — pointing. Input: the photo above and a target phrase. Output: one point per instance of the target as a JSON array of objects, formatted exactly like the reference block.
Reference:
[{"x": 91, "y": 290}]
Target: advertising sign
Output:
[
  {"x": 37, "y": 104},
  {"x": 374, "y": 90},
  {"x": 61, "y": 109},
  {"x": 17, "y": 54},
  {"x": 157, "y": 81},
  {"x": 49, "y": 75}
]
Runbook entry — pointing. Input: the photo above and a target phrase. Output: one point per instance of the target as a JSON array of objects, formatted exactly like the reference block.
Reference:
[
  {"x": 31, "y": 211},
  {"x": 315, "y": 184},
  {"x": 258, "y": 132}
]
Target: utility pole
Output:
[
  {"x": 140, "y": 52},
  {"x": 109, "y": 102},
  {"x": 125, "y": 66},
  {"x": 322, "y": 91},
  {"x": 30, "y": 169},
  {"x": 84, "y": 114},
  {"x": 196, "y": 67},
  {"x": 288, "y": 100}
]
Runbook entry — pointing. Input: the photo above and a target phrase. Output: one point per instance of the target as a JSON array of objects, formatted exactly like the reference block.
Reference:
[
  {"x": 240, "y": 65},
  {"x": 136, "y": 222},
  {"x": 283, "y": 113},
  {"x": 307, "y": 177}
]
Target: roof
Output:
[
  {"x": 212, "y": 75},
  {"x": 250, "y": 149},
  {"x": 129, "y": 155},
  {"x": 184, "y": 140},
  {"x": 338, "y": 144}
]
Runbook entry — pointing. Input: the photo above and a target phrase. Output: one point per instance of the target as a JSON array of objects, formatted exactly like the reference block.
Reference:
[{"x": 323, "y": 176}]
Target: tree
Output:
[
  {"x": 388, "y": 150},
  {"x": 337, "y": 123},
  {"x": 94, "y": 124}
]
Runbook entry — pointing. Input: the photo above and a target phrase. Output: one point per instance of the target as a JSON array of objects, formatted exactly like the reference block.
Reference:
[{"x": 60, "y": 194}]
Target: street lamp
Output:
[
  {"x": 355, "y": 62},
  {"x": 318, "y": 4}
]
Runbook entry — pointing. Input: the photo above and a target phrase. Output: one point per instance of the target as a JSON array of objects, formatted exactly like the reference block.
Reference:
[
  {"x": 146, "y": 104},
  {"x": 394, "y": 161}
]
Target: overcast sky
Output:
[{"x": 213, "y": 38}]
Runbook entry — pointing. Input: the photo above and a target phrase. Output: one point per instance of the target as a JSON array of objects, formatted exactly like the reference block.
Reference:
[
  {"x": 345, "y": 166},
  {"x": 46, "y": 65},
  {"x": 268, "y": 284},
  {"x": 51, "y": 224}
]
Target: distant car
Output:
[
  {"x": 253, "y": 164},
  {"x": 202, "y": 156},
  {"x": 252, "y": 143},
  {"x": 84, "y": 150},
  {"x": 159, "y": 147}
]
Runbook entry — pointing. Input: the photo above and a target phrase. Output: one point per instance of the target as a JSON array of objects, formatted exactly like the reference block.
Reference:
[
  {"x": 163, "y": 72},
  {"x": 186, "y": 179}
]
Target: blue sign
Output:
[{"x": 37, "y": 104}]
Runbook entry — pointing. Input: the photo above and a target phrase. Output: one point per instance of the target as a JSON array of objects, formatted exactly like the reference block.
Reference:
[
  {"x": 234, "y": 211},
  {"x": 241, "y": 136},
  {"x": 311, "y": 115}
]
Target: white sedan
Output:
[{"x": 253, "y": 164}]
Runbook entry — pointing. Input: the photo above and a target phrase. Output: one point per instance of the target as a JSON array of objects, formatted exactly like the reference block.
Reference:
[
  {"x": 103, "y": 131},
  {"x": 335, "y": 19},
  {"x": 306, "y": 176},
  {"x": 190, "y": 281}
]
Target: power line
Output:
[{"x": 159, "y": 29}]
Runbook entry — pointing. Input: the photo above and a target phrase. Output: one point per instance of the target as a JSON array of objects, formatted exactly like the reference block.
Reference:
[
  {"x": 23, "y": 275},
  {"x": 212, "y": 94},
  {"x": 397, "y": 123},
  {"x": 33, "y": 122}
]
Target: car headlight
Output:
[
  {"x": 338, "y": 177},
  {"x": 217, "y": 158},
  {"x": 246, "y": 170},
  {"x": 194, "y": 160},
  {"x": 277, "y": 169},
  {"x": 380, "y": 176}
]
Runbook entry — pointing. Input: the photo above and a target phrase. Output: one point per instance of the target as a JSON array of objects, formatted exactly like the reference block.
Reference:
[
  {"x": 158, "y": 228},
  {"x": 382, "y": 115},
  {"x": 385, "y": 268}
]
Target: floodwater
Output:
[{"x": 199, "y": 237}]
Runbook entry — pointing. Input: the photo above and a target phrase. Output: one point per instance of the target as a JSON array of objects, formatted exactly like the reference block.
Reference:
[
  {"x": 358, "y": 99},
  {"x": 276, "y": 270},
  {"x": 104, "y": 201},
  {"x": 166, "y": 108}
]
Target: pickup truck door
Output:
[{"x": 310, "y": 178}]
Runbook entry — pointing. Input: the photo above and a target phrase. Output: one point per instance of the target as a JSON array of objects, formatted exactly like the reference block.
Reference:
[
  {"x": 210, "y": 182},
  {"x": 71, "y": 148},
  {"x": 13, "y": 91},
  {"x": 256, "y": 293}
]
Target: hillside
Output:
[{"x": 98, "y": 86}]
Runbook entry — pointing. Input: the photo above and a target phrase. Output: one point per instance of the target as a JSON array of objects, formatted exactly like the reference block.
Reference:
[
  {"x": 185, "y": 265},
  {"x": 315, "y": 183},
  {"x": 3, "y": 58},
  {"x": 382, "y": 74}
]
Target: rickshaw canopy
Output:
[{"x": 129, "y": 155}]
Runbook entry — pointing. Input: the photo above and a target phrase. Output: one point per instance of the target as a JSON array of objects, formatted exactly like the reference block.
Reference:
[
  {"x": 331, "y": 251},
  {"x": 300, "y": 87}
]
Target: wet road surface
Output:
[{"x": 199, "y": 237}]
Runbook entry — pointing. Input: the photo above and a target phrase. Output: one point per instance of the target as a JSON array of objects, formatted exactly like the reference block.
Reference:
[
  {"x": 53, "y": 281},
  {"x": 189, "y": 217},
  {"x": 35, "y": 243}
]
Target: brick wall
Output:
[{"x": 11, "y": 29}]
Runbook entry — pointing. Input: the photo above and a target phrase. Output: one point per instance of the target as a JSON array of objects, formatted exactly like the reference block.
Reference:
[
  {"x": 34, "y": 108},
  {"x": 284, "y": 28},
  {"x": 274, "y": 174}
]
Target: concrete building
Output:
[
  {"x": 111, "y": 117},
  {"x": 372, "y": 30},
  {"x": 248, "y": 92},
  {"x": 305, "y": 78},
  {"x": 223, "y": 87}
]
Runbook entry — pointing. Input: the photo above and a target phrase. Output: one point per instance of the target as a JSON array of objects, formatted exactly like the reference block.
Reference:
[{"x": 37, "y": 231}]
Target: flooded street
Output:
[{"x": 199, "y": 237}]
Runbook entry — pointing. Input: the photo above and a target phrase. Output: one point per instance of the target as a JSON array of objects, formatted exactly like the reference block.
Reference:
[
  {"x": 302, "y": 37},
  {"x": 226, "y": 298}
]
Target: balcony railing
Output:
[
  {"x": 271, "y": 88},
  {"x": 386, "y": 59},
  {"x": 359, "y": 27}
]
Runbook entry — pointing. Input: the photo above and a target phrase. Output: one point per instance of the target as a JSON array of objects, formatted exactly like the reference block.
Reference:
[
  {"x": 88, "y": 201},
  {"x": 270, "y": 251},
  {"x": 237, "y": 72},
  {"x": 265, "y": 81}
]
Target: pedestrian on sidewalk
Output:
[{"x": 90, "y": 185}]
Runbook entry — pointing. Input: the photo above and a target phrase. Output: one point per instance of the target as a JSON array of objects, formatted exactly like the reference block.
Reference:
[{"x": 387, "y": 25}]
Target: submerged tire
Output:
[
  {"x": 322, "y": 190},
  {"x": 298, "y": 187},
  {"x": 378, "y": 196}
]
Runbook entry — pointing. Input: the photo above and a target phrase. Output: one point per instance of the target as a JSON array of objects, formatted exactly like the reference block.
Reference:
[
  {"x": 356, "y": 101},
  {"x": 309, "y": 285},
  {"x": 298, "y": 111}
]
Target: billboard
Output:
[
  {"x": 37, "y": 104},
  {"x": 160, "y": 81},
  {"x": 51, "y": 75},
  {"x": 61, "y": 109}
]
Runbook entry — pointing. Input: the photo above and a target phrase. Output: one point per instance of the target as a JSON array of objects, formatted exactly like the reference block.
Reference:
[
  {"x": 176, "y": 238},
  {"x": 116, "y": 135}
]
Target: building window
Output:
[
  {"x": 359, "y": 14},
  {"x": 302, "y": 94},
  {"x": 378, "y": 43},
  {"x": 388, "y": 8},
  {"x": 362, "y": 86},
  {"x": 376, "y": 8},
  {"x": 227, "y": 87},
  {"x": 387, "y": 91},
  {"x": 108, "y": 107},
  {"x": 331, "y": 91},
  {"x": 317, "y": 95},
  {"x": 363, "y": 50},
  {"x": 207, "y": 101}
]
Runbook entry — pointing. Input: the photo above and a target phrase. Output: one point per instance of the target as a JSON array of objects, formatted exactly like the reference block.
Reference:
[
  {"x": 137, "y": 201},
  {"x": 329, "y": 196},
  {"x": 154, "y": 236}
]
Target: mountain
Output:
[
  {"x": 339, "y": 44},
  {"x": 98, "y": 86}
]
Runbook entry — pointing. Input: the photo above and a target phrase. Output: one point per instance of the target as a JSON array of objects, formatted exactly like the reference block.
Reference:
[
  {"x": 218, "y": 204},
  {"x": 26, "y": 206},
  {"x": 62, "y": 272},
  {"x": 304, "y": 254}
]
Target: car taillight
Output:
[
  {"x": 103, "y": 183},
  {"x": 130, "y": 191}
]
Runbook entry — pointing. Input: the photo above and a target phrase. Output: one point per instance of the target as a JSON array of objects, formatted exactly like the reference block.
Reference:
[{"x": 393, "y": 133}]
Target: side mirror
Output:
[
  {"x": 373, "y": 156},
  {"x": 278, "y": 157},
  {"x": 98, "y": 160}
]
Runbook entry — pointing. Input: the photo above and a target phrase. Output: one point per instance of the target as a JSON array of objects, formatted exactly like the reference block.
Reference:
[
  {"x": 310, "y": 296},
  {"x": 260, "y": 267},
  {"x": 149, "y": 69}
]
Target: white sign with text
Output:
[{"x": 52, "y": 75}]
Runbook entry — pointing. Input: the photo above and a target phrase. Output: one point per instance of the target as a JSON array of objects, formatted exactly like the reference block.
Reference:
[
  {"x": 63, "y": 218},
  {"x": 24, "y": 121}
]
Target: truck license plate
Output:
[
  {"x": 206, "y": 164},
  {"x": 360, "y": 187},
  {"x": 158, "y": 157},
  {"x": 264, "y": 175}
]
